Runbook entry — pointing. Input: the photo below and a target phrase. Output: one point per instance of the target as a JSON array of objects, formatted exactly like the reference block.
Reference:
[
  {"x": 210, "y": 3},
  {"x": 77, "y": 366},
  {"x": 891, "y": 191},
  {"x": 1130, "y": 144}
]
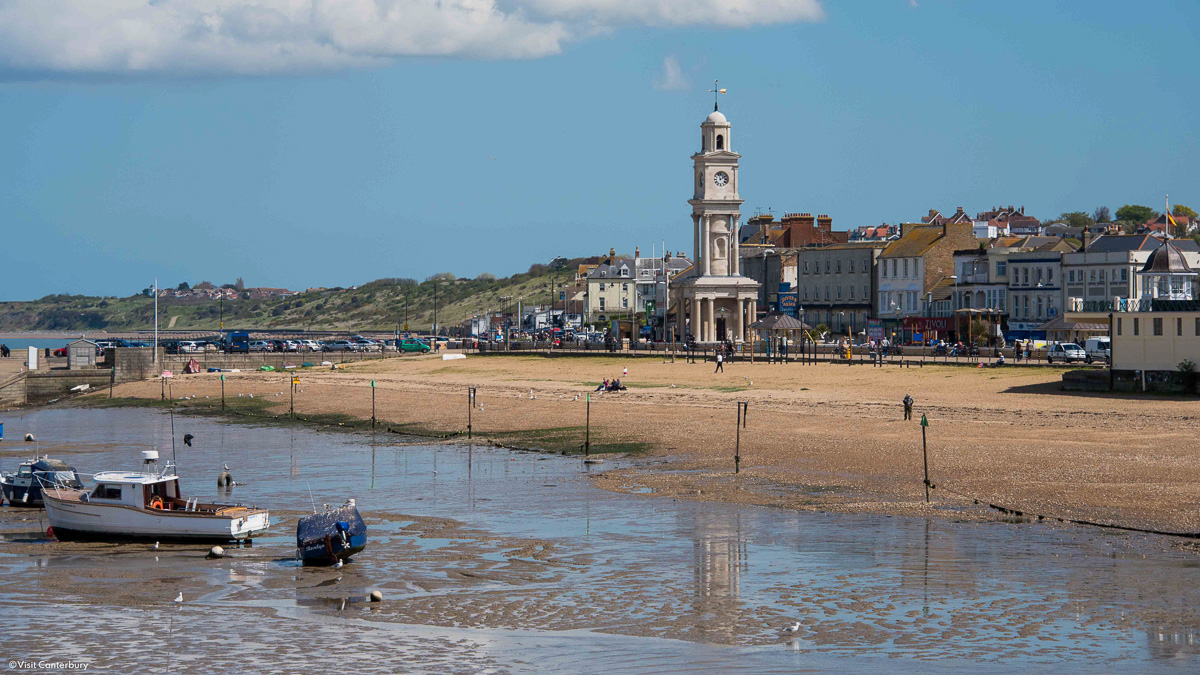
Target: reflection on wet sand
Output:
[{"x": 490, "y": 560}]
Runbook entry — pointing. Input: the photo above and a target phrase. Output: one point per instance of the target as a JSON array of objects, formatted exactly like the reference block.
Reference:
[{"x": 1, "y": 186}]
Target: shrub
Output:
[{"x": 1189, "y": 375}]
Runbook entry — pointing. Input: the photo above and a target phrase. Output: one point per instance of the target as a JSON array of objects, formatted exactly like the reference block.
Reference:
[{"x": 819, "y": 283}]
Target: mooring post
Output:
[
  {"x": 372, "y": 404},
  {"x": 222, "y": 392},
  {"x": 587, "y": 432},
  {"x": 112, "y": 378},
  {"x": 743, "y": 410},
  {"x": 470, "y": 406},
  {"x": 925, "y": 454}
]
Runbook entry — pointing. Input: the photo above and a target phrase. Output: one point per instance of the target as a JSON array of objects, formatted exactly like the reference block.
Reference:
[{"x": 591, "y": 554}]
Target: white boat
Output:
[{"x": 147, "y": 505}]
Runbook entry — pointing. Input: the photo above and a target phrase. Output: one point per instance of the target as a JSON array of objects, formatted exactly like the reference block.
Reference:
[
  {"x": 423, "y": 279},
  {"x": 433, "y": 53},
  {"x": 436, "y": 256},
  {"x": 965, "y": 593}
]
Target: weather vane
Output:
[{"x": 716, "y": 92}]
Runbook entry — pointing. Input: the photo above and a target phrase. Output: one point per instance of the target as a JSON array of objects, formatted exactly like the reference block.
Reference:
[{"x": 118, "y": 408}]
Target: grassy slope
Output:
[{"x": 378, "y": 305}]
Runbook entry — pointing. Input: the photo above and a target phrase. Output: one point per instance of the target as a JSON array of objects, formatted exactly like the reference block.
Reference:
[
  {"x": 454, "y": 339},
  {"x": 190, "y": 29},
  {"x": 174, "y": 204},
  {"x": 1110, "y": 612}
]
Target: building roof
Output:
[
  {"x": 1117, "y": 243},
  {"x": 1061, "y": 323},
  {"x": 715, "y": 117},
  {"x": 613, "y": 271},
  {"x": 915, "y": 242},
  {"x": 779, "y": 321},
  {"x": 1167, "y": 259}
]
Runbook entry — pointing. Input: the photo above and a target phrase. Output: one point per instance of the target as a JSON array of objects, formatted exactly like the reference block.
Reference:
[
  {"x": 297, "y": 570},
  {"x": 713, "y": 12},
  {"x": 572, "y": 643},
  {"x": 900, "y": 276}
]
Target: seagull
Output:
[
  {"x": 793, "y": 628},
  {"x": 179, "y": 598},
  {"x": 156, "y": 546},
  {"x": 337, "y": 565}
]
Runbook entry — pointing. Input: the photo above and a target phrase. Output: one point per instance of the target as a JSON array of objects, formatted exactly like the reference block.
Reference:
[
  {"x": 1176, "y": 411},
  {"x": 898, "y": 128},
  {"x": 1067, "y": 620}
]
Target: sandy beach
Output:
[{"x": 818, "y": 437}]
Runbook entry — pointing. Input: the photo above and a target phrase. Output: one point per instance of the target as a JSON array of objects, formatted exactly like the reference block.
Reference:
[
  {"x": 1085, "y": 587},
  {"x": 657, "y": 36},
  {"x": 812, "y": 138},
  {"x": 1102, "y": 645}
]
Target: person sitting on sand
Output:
[{"x": 603, "y": 386}]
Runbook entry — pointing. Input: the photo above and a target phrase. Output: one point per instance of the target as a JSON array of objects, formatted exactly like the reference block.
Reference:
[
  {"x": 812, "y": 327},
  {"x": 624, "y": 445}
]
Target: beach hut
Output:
[{"x": 81, "y": 355}]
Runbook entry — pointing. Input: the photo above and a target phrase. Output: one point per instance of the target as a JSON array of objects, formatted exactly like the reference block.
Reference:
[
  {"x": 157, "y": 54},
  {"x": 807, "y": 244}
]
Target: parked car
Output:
[
  {"x": 260, "y": 346},
  {"x": 340, "y": 346},
  {"x": 187, "y": 347},
  {"x": 310, "y": 345},
  {"x": 367, "y": 345},
  {"x": 170, "y": 346},
  {"x": 1098, "y": 349},
  {"x": 413, "y": 345},
  {"x": 1065, "y": 352}
]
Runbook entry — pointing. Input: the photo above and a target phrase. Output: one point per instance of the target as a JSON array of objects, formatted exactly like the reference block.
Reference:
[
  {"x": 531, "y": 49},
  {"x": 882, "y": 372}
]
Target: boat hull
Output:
[
  {"x": 72, "y": 519},
  {"x": 332, "y": 536},
  {"x": 14, "y": 495}
]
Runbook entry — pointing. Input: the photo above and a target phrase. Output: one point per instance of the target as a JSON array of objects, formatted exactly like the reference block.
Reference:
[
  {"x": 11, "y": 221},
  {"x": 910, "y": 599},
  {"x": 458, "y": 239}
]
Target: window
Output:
[
  {"x": 866, "y": 292},
  {"x": 103, "y": 491},
  {"x": 624, "y": 303},
  {"x": 826, "y": 267},
  {"x": 1071, "y": 276},
  {"x": 1092, "y": 276},
  {"x": 601, "y": 285},
  {"x": 720, "y": 142},
  {"x": 893, "y": 267},
  {"x": 1050, "y": 276},
  {"x": 1158, "y": 327},
  {"x": 851, "y": 266},
  {"x": 906, "y": 267},
  {"x": 1124, "y": 275},
  {"x": 1039, "y": 275},
  {"x": 1040, "y": 313},
  {"x": 806, "y": 267},
  {"x": 1001, "y": 269},
  {"x": 839, "y": 292},
  {"x": 851, "y": 292},
  {"x": 1179, "y": 326},
  {"x": 1025, "y": 274},
  {"x": 826, "y": 294},
  {"x": 1136, "y": 327},
  {"x": 839, "y": 266},
  {"x": 625, "y": 288},
  {"x": 883, "y": 269},
  {"x": 601, "y": 304},
  {"x": 1119, "y": 325},
  {"x": 806, "y": 292}
]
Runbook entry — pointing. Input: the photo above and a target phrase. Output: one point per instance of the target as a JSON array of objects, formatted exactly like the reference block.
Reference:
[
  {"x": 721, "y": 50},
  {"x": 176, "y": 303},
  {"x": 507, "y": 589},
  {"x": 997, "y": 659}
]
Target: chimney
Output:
[
  {"x": 637, "y": 252},
  {"x": 959, "y": 212},
  {"x": 1022, "y": 209}
]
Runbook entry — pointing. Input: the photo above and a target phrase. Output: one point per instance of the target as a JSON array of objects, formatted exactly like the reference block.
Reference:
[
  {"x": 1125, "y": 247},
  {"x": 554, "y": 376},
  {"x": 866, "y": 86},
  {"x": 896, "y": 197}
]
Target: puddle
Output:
[{"x": 499, "y": 561}]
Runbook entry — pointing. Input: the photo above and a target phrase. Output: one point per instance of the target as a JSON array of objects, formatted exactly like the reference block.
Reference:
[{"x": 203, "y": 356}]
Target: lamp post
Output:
[
  {"x": 955, "y": 278},
  {"x": 765, "y": 253}
]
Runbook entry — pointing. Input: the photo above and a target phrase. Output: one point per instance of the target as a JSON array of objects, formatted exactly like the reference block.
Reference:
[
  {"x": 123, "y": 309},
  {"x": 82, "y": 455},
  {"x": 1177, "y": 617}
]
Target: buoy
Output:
[
  {"x": 216, "y": 552},
  {"x": 224, "y": 479},
  {"x": 29, "y": 438},
  {"x": 50, "y": 533},
  {"x": 376, "y": 596}
]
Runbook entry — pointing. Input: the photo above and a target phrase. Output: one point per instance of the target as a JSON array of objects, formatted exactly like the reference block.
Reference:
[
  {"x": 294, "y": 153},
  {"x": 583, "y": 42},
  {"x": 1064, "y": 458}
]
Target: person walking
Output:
[
  {"x": 908, "y": 404},
  {"x": 1017, "y": 351},
  {"x": 720, "y": 363}
]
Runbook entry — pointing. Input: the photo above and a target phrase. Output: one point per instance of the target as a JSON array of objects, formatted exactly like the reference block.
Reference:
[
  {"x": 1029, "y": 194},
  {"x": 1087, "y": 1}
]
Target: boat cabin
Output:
[{"x": 143, "y": 491}]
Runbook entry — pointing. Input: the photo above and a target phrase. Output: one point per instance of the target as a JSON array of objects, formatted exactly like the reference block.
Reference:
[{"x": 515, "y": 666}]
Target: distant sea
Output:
[{"x": 19, "y": 342}]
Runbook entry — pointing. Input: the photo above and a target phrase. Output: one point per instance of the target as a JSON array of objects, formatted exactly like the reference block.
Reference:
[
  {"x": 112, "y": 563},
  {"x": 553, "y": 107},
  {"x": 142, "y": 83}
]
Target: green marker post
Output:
[{"x": 925, "y": 454}]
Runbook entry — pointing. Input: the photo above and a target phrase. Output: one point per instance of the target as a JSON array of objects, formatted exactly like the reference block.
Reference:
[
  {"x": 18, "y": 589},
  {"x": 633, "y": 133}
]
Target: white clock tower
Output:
[{"x": 717, "y": 302}]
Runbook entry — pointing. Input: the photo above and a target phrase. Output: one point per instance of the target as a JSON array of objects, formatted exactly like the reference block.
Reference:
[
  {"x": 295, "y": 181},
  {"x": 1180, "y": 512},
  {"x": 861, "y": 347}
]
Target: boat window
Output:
[
  {"x": 25, "y": 471},
  {"x": 103, "y": 491}
]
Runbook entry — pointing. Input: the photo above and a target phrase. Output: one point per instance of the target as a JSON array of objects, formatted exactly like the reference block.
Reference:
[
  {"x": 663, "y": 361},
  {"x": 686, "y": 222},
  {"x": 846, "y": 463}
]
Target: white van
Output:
[{"x": 1098, "y": 349}]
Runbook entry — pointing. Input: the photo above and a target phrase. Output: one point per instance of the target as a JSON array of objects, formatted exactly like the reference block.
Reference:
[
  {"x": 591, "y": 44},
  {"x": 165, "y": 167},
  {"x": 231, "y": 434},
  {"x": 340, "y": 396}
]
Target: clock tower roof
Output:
[{"x": 715, "y": 117}]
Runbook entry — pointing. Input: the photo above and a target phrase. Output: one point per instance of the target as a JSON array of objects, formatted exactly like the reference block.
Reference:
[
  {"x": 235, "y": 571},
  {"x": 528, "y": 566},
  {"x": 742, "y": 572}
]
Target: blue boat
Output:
[
  {"x": 24, "y": 486},
  {"x": 331, "y": 537}
]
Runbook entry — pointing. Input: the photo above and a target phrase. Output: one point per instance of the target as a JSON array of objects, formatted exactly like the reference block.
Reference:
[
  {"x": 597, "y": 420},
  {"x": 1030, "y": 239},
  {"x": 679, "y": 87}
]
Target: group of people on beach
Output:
[{"x": 613, "y": 385}]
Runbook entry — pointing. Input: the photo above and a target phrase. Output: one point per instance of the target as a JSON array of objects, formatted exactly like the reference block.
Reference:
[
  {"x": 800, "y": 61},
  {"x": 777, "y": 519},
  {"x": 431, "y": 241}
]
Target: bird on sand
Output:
[
  {"x": 156, "y": 545},
  {"x": 792, "y": 628},
  {"x": 337, "y": 565},
  {"x": 179, "y": 598}
]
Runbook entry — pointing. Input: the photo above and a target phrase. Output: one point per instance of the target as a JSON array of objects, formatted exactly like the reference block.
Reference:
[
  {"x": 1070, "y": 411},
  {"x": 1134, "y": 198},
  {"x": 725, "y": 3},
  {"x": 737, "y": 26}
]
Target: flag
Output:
[
  {"x": 1172, "y": 221},
  {"x": 372, "y": 384}
]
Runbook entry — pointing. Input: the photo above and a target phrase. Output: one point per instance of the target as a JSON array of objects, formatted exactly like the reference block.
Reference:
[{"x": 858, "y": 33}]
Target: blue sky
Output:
[{"x": 546, "y": 129}]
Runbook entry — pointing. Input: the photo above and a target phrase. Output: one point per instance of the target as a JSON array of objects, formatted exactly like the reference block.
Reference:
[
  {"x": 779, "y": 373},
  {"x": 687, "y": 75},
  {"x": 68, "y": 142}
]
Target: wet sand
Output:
[
  {"x": 491, "y": 560},
  {"x": 820, "y": 437}
]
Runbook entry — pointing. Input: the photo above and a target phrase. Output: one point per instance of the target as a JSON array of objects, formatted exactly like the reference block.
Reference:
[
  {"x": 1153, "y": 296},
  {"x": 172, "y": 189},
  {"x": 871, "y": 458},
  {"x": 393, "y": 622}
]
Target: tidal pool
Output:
[{"x": 497, "y": 561}]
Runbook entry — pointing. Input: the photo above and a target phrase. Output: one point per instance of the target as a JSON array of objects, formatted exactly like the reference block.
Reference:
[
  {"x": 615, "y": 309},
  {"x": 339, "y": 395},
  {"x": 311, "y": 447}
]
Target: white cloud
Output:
[
  {"x": 123, "y": 37},
  {"x": 731, "y": 13},
  {"x": 671, "y": 78}
]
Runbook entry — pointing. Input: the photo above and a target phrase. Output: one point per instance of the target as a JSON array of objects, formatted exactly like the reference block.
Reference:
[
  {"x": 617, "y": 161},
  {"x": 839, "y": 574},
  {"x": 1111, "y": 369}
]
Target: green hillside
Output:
[{"x": 378, "y": 305}]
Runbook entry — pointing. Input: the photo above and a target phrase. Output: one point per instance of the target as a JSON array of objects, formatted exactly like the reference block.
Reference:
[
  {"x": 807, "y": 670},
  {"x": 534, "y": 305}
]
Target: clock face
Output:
[{"x": 721, "y": 179}]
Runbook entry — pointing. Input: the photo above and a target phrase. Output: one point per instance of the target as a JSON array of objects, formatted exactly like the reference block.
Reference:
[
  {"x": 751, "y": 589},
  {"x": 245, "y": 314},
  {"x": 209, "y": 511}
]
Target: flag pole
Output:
[{"x": 156, "y": 323}]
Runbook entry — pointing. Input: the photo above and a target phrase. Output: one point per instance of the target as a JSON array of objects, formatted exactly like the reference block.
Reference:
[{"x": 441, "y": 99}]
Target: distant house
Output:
[
  {"x": 1183, "y": 226},
  {"x": 882, "y": 232}
]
